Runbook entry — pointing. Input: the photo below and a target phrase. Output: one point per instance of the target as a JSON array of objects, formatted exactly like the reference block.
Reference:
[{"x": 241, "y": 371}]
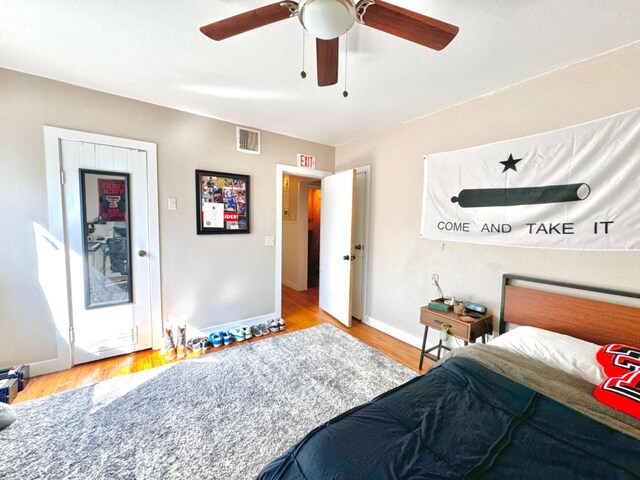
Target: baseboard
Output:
[
  {"x": 44, "y": 367},
  {"x": 395, "y": 332},
  {"x": 239, "y": 323},
  {"x": 412, "y": 340},
  {"x": 292, "y": 285}
]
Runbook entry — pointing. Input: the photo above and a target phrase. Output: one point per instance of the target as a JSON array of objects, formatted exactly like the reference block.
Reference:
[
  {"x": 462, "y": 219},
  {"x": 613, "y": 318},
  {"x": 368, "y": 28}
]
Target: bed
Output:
[{"x": 488, "y": 412}]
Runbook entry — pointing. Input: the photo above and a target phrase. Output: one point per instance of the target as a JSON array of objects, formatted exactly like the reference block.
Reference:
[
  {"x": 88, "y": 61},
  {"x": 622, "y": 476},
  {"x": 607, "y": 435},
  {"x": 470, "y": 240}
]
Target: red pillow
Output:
[
  {"x": 617, "y": 359},
  {"x": 621, "y": 393}
]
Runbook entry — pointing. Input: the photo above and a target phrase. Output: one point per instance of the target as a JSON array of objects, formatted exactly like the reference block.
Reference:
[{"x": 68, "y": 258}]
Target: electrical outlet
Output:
[
  {"x": 435, "y": 278},
  {"x": 269, "y": 241},
  {"x": 172, "y": 203}
]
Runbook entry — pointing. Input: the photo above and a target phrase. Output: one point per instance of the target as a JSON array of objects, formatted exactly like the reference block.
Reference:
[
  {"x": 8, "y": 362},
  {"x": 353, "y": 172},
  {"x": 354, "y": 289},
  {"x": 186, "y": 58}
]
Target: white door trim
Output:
[
  {"x": 280, "y": 171},
  {"x": 305, "y": 172},
  {"x": 365, "y": 249},
  {"x": 61, "y": 313}
]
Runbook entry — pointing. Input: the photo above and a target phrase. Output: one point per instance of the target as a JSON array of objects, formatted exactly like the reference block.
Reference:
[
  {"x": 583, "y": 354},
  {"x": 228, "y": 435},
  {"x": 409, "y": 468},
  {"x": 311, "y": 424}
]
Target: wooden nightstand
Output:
[{"x": 467, "y": 331}]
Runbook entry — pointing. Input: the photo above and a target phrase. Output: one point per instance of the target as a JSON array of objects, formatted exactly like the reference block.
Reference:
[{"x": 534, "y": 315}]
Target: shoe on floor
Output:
[
  {"x": 169, "y": 347},
  {"x": 181, "y": 341},
  {"x": 226, "y": 337},
  {"x": 238, "y": 334},
  {"x": 281, "y": 324},
  {"x": 256, "y": 331},
  {"x": 273, "y": 326},
  {"x": 247, "y": 333},
  {"x": 216, "y": 339},
  {"x": 199, "y": 344},
  {"x": 263, "y": 329}
]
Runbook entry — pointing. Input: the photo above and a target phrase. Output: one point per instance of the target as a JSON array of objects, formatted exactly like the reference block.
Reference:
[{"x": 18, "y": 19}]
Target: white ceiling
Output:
[{"x": 152, "y": 50}]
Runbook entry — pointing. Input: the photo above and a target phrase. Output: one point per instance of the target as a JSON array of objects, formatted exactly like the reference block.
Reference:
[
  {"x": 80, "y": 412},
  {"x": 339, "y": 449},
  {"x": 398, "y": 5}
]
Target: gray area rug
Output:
[{"x": 224, "y": 415}]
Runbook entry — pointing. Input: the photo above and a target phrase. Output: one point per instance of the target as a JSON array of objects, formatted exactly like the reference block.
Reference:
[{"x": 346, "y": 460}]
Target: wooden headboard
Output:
[{"x": 594, "y": 321}]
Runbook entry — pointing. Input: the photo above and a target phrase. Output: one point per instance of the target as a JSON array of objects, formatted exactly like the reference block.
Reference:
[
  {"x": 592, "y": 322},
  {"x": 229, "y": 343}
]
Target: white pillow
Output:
[{"x": 571, "y": 355}]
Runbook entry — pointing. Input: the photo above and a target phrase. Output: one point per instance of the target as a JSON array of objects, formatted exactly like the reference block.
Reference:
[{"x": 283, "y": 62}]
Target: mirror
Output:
[{"x": 104, "y": 198}]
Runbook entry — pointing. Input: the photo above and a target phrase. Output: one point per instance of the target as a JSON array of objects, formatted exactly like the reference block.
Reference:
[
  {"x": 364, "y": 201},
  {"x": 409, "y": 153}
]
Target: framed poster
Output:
[
  {"x": 112, "y": 199},
  {"x": 222, "y": 202}
]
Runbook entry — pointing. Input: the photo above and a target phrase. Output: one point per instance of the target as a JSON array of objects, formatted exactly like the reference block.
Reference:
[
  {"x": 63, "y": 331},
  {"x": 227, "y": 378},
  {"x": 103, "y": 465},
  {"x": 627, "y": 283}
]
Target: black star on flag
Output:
[{"x": 510, "y": 164}]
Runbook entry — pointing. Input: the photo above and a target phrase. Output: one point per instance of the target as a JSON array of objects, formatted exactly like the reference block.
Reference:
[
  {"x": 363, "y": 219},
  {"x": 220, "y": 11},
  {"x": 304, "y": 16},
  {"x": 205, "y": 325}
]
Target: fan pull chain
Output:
[
  {"x": 303, "y": 74},
  {"x": 345, "y": 93}
]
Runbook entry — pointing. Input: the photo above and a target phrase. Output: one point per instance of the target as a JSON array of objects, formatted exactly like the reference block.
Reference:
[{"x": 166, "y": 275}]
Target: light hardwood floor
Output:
[{"x": 299, "y": 309}]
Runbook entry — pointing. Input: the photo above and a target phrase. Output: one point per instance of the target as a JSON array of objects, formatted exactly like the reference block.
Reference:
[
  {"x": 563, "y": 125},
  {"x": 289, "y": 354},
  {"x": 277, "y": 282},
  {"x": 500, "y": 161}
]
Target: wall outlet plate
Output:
[{"x": 435, "y": 278}]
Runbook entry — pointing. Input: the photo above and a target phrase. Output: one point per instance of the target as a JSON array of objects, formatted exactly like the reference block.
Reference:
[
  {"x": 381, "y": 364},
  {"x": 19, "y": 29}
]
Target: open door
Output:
[{"x": 336, "y": 254}]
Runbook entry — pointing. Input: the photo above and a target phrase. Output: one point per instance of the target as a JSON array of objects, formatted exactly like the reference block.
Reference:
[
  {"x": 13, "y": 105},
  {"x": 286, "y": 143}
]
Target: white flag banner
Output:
[{"x": 575, "y": 188}]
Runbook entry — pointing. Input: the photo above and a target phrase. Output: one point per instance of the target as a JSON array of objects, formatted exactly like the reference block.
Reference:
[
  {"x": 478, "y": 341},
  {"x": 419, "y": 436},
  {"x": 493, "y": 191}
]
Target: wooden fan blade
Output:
[
  {"x": 409, "y": 25},
  {"x": 248, "y": 20},
  {"x": 327, "y": 58}
]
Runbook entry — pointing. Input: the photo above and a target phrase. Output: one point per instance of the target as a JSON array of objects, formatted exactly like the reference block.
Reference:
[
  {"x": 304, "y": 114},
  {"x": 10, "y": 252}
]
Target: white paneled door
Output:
[
  {"x": 336, "y": 244},
  {"x": 106, "y": 216}
]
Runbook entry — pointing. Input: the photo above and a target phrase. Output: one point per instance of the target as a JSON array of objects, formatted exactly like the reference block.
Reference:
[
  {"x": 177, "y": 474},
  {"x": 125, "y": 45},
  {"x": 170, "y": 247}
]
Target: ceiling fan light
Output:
[{"x": 327, "y": 19}]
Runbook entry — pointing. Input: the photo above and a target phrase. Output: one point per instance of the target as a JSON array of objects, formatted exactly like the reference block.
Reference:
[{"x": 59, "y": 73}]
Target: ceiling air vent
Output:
[{"x": 247, "y": 140}]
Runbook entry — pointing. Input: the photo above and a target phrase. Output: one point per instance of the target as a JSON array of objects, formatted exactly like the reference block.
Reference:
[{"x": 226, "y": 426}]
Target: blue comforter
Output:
[{"x": 460, "y": 420}]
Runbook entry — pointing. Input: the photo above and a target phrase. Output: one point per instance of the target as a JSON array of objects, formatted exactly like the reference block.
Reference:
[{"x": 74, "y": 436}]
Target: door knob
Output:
[
  {"x": 358, "y": 247},
  {"x": 346, "y": 257},
  {"x": 142, "y": 253}
]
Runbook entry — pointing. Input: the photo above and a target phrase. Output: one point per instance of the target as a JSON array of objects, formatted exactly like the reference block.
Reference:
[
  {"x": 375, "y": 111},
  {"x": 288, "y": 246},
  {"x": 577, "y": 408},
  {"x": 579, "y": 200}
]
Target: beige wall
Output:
[
  {"x": 401, "y": 264},
  {"x": 206, "y": 280}
]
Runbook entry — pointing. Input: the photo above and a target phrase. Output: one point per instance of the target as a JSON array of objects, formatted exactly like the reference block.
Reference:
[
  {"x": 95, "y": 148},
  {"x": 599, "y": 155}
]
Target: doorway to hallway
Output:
[
  {"x": 320, "y": 248},
  {"x": 314, "y": 208}
]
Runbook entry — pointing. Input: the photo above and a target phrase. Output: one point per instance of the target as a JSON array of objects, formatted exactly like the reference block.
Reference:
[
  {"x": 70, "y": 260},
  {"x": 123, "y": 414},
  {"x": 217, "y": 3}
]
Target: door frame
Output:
[
  {"x": 61, "y": 310},
  {"x": 310, "y": 173},
  {"x": 280, "y": 171},
  {"x": 365, "y": 238}
]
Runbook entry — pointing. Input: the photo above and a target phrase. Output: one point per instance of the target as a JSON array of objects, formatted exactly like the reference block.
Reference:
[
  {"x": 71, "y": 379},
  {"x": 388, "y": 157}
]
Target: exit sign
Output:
[{"x": 306, "y": 161}]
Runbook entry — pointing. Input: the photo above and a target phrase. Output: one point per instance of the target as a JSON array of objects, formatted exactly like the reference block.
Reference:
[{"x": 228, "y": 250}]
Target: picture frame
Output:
[
  {"x": 222, "y": 203},
  {"x": 105, "y": 218}
]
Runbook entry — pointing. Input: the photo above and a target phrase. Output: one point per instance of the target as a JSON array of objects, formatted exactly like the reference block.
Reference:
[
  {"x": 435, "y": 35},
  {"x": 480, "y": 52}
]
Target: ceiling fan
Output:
[{"x": 328, "y": 19}]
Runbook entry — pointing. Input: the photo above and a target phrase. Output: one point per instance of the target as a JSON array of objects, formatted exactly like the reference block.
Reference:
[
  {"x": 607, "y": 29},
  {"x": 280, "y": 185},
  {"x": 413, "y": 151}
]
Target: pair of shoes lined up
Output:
[
  {"x": 239, "y": 334},
  {"x": 264, "y": 329},
  {"x": 199, "y": 344},
  {"x": 178, "y": 348},
  {"x": 276, "y": 325},
  {"x": 220, "y": 338}
]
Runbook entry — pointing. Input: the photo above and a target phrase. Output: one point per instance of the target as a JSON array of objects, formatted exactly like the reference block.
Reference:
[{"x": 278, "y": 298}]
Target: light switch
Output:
[
  {"x": 269, "y": 241},
  {"x": 173, "y": 204}
]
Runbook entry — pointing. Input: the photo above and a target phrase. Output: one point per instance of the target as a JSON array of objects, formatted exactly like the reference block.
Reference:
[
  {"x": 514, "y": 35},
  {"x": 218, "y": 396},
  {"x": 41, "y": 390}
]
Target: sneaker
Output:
[
  {"x": 216, "y": 339},
  {"x": 181, "y": 341},
  {"x": 238, "y": 334},
  {"x": 247, "y": 333},
  {"x": 273, "y": 326},
  {"x": 255, "y": 330},
  {"x": 281, "y": 324},
  {"x": 169, "y": 347},
  {"x": 263, "y": 329},
  {"x": 199, "y": 344},
  {"x": 226, "y": 337}
]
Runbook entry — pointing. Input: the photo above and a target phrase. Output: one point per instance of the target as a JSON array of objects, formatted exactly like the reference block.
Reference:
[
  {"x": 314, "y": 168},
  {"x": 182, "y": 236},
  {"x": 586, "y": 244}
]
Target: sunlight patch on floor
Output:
[{"x": 106, "y": 392}]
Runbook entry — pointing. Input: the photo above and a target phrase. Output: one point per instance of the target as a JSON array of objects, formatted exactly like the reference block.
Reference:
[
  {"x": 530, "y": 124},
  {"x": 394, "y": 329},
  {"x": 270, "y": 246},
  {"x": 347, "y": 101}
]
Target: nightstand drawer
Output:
[{"x": 456, "y": 328}]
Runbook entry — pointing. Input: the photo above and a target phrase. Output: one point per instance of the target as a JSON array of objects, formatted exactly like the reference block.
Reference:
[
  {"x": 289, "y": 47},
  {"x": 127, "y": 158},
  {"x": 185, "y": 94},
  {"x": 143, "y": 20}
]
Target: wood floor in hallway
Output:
[{"x": 299, "y": 309}]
